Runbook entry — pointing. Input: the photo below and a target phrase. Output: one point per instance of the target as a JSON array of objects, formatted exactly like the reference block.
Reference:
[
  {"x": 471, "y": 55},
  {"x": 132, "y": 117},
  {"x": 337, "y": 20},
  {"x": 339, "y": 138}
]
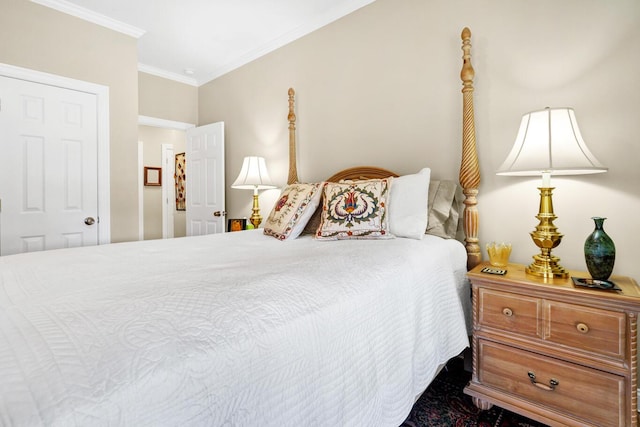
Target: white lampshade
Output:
[
  {"x": 253, "y": 175},
  {"x": 549, "y": 141}
]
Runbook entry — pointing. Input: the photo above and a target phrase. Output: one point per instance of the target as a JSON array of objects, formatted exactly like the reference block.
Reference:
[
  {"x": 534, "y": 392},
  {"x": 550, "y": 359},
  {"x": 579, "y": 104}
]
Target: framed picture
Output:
[
  {"x": 181, "y": 187},
  {"x": 152, "y": 176},
  {"x": 236, "y": 224}
]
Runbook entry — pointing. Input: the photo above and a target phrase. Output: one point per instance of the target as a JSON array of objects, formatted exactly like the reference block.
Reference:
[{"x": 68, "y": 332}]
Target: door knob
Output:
[
  {"x": 89, "y": 220},
  {"x": 220, "y": 213}
]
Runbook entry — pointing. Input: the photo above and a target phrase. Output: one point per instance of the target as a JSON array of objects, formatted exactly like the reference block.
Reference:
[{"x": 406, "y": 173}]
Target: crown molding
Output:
[
  {"x": 308, "y": 27},
  {"x": 88, "y": 15},
  {"x": 163, "y": 123},
  {"x": 167, "y": 74},
  {"x": 319, "y": 21}
]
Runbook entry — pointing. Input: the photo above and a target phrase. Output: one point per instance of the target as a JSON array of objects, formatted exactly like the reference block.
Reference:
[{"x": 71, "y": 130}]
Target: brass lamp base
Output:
[
  {"x": 546, "y": 267},
  {"x": 255, "y": 218},
  {"x": 546, "y": 237}
]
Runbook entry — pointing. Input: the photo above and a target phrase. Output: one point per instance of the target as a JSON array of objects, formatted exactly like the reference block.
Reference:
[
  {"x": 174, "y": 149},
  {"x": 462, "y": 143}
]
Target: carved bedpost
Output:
[
  {"x": 293, "y": 171},
  {"x": 633, "y": 350},
  {"x": 469, "y": 168}
]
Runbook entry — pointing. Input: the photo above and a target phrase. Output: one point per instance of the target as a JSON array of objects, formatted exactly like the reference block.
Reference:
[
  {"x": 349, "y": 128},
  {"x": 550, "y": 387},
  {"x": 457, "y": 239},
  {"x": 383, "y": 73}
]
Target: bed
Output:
[{"x": 271, "y": 333}]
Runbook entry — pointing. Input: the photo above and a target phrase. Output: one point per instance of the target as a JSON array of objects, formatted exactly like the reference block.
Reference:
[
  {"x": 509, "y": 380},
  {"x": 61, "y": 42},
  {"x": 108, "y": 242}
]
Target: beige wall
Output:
[
  {"x": 153, "y": 138},
  {"x": 167, "y": 99},
  {"x": 381, "y": 86},
  {"x": 42, "y": 39}
]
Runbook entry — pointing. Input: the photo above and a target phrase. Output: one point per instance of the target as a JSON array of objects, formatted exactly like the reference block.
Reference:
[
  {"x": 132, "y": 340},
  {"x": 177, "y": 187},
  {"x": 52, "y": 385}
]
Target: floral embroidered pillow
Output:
[
  {"x": 355, "y": 210},
  {"x": 292, "y": 211}
]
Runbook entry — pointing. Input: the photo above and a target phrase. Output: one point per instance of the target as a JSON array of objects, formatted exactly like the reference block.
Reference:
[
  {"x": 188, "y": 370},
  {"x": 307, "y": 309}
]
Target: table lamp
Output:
[
  {"x": 254, "y": 176},
  {"x": 549, "y": 143}
]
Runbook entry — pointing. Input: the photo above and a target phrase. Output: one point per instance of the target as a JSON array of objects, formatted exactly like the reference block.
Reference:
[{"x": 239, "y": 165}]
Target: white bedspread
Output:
[{"x": 228, "y": 330}]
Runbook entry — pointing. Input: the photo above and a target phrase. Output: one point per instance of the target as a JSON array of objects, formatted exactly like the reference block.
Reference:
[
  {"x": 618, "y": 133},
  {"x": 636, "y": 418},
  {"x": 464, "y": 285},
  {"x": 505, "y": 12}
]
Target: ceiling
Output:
[{"x": 195, "y": 41}]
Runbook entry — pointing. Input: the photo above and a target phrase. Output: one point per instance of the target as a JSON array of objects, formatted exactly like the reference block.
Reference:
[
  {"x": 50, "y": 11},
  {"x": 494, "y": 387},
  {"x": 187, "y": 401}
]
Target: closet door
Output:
[{"x": 48, "y": 168}]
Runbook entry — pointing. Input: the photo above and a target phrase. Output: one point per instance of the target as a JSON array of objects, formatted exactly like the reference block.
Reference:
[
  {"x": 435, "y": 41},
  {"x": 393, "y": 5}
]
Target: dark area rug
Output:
[{"x": 445, "y": 404}]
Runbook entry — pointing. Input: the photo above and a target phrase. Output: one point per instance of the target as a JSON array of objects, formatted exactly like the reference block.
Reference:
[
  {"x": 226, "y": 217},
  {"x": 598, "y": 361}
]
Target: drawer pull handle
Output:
[
  {"x": 552, "y": 382},
  {"x": 507, "y": 312},
  {"x": 581, "y": 327}
]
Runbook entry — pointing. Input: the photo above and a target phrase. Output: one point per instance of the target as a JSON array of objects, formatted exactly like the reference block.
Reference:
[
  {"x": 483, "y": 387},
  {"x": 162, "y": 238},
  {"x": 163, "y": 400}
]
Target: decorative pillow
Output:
[
  {"x": 314, "y": 223},
  {"x": 408, "y": 205},
  {"x": 355, "y": 210},
  {"x": 445, "y": 207},
  {"x": 292, "y": 211}
]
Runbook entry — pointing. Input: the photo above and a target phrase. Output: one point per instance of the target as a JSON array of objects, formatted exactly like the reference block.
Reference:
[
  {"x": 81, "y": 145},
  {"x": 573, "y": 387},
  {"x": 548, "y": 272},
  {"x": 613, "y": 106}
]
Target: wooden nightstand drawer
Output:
[
  {"x": 509, "y": 312},
  {"x": 587, "y": 328},
  {"x": 594, "y": 397}
]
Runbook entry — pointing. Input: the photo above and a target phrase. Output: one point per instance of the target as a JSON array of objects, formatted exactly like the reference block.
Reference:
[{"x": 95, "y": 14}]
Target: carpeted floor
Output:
[{"x": 445, "y": 404}]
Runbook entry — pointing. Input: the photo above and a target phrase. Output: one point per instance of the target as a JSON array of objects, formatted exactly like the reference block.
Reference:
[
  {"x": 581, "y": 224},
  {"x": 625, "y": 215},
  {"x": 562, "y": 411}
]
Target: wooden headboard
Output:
[
  {"x": 361, "y": 172},
  {"x": 469, "y": 174}
]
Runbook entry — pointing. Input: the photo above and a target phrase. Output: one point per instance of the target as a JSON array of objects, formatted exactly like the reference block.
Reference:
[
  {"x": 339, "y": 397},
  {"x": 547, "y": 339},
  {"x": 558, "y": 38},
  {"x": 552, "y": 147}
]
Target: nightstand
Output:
[{"x": 556, "y": 353}]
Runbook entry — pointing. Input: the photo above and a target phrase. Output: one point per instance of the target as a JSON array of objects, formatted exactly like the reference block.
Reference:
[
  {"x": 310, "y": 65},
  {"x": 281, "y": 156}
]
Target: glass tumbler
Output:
[{"x": 499, "y": 253}]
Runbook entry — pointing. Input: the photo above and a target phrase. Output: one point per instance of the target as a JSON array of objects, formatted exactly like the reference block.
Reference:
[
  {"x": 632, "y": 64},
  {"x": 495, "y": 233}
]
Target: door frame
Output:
[
  {"x": 102, "y": 100},
  {"x": 158, "y": 123},
  {"x": 140, "y": 190},
  {"x": 168, "y": 191}
]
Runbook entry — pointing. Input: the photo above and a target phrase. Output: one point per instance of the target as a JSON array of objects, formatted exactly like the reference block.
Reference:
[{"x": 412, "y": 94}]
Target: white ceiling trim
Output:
[
  {"x": 308, "y": 27},
  {"x": 167, "y": 74},
  {"x": 91, "y": 16},
  {"x": 163, "y": 123}
]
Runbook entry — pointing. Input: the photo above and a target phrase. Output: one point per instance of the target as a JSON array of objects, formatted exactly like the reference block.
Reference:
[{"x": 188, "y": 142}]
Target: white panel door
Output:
[
  {"x": 48, "y": 168},
  {"x": 204, "y": 168}
]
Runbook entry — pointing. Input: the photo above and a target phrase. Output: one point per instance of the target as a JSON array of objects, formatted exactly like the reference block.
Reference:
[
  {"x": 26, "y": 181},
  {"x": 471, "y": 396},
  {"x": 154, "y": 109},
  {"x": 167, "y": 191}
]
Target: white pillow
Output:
[{"x": 409, "y": 205}]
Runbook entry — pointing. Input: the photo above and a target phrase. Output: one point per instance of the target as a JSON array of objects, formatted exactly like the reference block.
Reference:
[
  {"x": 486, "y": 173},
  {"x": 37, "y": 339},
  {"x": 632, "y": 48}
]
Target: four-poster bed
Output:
[
  {"x": 469, "y": 174},
  {"x": 239, "y": 329}
]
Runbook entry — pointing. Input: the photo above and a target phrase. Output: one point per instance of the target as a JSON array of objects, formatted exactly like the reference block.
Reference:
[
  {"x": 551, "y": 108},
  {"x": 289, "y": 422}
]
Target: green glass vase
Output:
[{"x": 599, "y": 251}]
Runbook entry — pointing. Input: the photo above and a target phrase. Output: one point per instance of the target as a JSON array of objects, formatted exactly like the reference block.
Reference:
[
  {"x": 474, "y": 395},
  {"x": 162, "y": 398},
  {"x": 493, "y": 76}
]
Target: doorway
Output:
[
  {"x": 204, "y": 150},
  {"x": 158, "y": 211}
]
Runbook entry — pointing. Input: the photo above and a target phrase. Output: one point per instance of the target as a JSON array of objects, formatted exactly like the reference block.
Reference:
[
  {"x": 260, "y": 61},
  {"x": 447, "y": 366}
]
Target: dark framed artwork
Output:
[
  {"x": 180, "y": 177},
  {"x": 236, "y": 224},
  {"x": 152, "y": 176}
]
